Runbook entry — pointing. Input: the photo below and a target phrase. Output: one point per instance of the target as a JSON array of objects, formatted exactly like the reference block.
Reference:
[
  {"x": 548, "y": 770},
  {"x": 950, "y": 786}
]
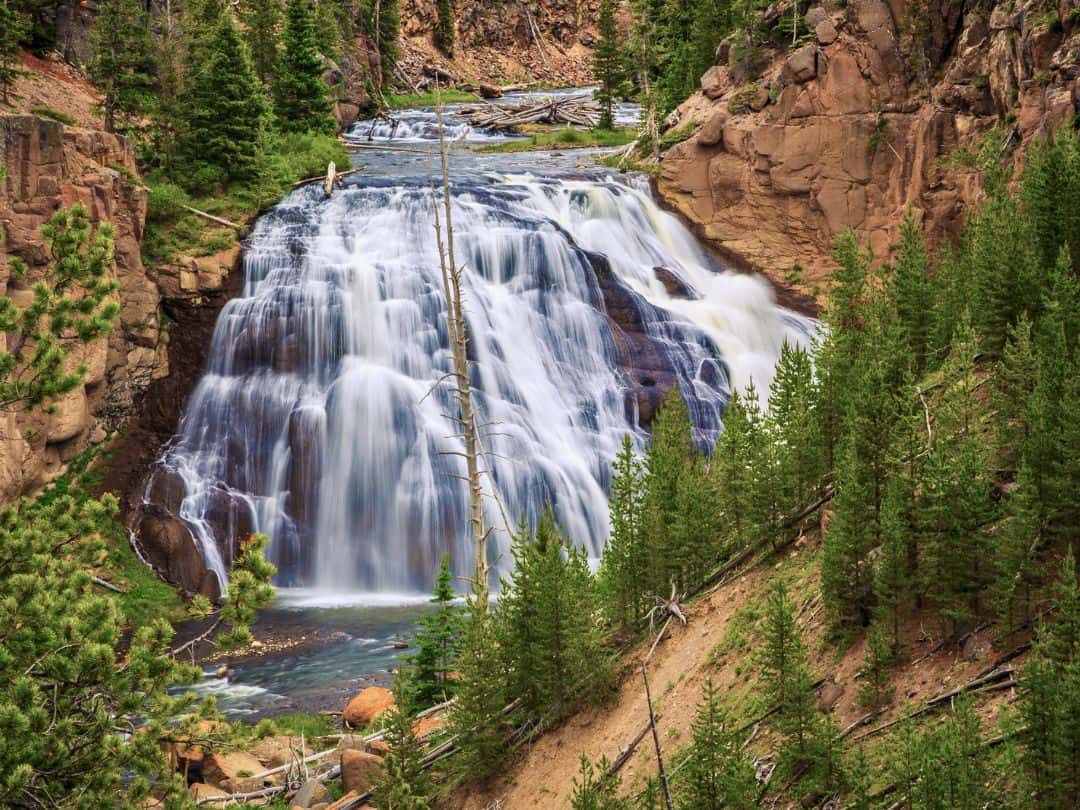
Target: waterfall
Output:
[{"x": 325, "y": 416}]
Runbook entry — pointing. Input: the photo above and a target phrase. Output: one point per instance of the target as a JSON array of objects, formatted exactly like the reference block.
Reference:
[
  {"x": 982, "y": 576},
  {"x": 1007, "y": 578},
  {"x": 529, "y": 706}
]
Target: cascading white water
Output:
[{"x": 325, "y": 418}]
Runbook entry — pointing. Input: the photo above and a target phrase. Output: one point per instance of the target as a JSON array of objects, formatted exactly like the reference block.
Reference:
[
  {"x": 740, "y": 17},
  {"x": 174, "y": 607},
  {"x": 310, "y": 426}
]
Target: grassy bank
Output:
[
  {"x": 399, "y": 101},
  {"x": 173, "y": 231},
  {"x": 566, "y": 138}
]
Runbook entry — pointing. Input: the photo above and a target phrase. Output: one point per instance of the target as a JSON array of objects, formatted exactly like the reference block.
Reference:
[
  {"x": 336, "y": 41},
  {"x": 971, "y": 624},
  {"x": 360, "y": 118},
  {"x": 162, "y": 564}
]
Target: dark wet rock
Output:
[
  {"x": 168, "y": 546},
  {"x": 675, "y": 286}
]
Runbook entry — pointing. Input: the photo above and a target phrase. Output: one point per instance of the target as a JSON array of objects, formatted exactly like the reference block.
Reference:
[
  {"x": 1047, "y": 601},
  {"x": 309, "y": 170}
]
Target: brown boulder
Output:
[
  {"x": 713, "y": 132},
  {"x": 360, "y": 771},
  {"x": 825, "y": 32},
  {"x": 312, "y": 792},
  {"x": 426, "y": 726},
  {"x": 716, "y": 82},
  {"x": 169, "y": 547},
  {"x": 801, "y": 66},
  {"x": 233, "y": 771},
  {"x": 489, "y": 91},
  {"x": 367, "y": 705}
]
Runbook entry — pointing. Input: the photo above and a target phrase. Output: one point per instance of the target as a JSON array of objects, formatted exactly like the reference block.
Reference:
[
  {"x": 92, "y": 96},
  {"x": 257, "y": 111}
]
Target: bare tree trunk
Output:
[
  {"x": 646, "y": 82},
  {"x": 656, "y": 739},
  {"x": 456, "y": 327}
]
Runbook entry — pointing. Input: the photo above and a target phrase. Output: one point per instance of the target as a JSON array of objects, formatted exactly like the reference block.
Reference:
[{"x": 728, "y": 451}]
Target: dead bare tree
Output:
[{"x": 456, "y": 327}]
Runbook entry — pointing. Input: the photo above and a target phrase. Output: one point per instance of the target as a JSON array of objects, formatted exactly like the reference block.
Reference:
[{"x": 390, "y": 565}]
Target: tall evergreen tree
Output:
[
  {"x": 666, "y": 462},
  {"x": 262, "y": 29},
  {"x": 14, "y": 27},
  {"x": 719, "y": 774},
  {"x": 227, "y": 107},
  {"x": 732, "y": 463},
  {"x": 123, "y": 63},
  {"x": 405, "y": 784},
  {"x": 444, "y": 27},
  {"x": 794, "y": 429},
  {"x": 786, "y": 679},
  {"x": 910, "y": 289},
  {"x": 437, "y": 644},
  {"x": 1050, "y": 701},
  {"x": 623, "y": 576},
  {"x": 476, "y": 715},
  {"x": 607, "y": 63},
  {"x": 301, "y": 98},
  {"x": 548, "y": 633}
]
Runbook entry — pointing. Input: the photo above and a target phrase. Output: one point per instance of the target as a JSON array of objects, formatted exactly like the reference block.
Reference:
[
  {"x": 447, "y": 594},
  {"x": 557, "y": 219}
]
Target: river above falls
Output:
[{"x": 321, "y": 419}]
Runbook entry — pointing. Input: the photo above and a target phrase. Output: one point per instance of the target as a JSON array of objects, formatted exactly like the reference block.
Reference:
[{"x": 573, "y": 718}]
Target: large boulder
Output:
[
  {"x": 801, "y": 66},
  {"x": 366, "y": 706},
  {"x": 235, "y": 772},
  {"x": 361, "y": 771},
  {"x": 713, "y": 132}
]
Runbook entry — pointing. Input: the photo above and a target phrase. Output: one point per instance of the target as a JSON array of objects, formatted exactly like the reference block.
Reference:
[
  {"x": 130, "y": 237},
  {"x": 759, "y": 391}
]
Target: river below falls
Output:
[{"x": 317, "y": 646}]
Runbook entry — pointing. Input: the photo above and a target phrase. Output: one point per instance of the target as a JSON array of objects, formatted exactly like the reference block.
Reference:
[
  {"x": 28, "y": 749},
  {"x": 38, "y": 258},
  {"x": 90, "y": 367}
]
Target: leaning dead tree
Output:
[{"x": 456, "y": 327}]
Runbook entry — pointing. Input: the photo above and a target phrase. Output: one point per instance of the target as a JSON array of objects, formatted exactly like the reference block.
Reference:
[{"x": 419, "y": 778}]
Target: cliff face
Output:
[
  {"x": 51, "y": 166},
  {"x": 866, "y": 121}
]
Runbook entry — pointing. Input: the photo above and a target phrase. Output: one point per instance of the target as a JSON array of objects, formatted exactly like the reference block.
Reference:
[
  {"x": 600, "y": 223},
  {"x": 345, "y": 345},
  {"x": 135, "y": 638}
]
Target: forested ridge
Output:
[{"x": 922, "y": 454}]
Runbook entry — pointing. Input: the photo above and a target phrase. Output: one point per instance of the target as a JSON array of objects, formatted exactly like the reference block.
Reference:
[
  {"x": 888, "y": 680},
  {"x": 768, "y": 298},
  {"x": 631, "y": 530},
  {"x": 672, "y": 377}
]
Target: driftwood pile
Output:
[{"x": 579, "y": 111}]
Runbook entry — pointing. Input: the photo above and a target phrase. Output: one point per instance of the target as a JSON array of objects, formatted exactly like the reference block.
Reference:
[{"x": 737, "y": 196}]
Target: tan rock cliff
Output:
[{"x": 858, "y": 125}]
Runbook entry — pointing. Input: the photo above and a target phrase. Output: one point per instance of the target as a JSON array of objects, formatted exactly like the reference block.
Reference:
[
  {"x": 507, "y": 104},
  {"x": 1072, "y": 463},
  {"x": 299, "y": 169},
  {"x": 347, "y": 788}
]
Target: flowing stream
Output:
[{"x": 325, "y": 416}]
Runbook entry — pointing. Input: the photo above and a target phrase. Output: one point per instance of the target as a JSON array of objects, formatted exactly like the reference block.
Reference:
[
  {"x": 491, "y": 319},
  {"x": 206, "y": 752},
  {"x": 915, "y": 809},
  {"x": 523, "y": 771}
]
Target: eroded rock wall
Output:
[
  {"x": 50, "y": 166},
  {"x": 865, "y": 121}
]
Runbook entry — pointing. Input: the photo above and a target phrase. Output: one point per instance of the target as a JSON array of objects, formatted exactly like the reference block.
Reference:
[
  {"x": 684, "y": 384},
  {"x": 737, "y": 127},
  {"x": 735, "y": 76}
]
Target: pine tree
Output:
[
  {"x": 1014, "y": 382},
  {"x": 405, "y": 785},
  {"x": 910, "y": 290},
  {"x": 437, "y": 642},
  {"x": 72, "y": 304},
  {"x": 14, "y": 27},
  {"x": 385, "y": 27},
  {"x": 875, "y": 688},
  {"x": 548, "y": 632},
  {"x": 1050, "y": 701},
  {"x": 262, "y": 29},
  {"x": 476, "y": 715},
  {"x": 226, "y": 109},
  {"x": 607, "y": 63},
  {"x": 696, "y": 526},
  {"x": 623, "y": 573},
  {"x": 786, "y": 679},
  {"x": 793, "y": 427},
  {"x": 444, "y": 27},
  {"x": 719, "y": 775},
  {"x": 666, "y": 461},
  {"x": 955, "y": 506},
  {"x": 301, "y": 98},
  {"x": 595, "y": 788},
  {"x": 942, "y": 767},
  {"x": 123, "y": 64},
  {"x": 893, "y": 574},
  {"x": 732, "y": 463}
]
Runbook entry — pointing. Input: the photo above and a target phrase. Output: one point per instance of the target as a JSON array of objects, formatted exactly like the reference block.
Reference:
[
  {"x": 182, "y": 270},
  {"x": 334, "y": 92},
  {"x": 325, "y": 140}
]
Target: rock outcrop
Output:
[
  {"x": 863, "y": 123},
  {"x": 51, "y": 166}
]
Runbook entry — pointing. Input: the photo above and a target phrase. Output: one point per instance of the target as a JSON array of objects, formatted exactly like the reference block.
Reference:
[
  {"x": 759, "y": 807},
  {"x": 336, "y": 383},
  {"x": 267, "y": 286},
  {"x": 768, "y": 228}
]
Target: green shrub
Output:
[
  {"x": 53, "y": 115},
  {"x": 165, "y": 202}
]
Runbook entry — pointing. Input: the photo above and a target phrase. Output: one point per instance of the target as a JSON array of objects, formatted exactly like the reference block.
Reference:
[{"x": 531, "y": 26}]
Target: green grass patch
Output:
[
  {"x": 310, "y": 725},
  {"x": 172, "y": 230},
  {"x": 53, "y": 115},
  {"x": 398, "y": 101},
  {"x": 629, "y": 164},
  {"x": 676, "y": 135},
  {"x": 566, "y": 138}
]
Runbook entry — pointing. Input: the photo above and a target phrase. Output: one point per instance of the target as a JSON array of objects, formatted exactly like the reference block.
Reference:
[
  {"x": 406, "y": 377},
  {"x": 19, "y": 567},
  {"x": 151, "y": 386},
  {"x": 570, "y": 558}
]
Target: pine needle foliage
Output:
[
  {"x": 73, "y": 303},
  {"x": 437, "y": 642},
  {"x": 548, "y": 625},
  {"x": 719, "y": 773},
  {"x": 122, "y": 66},
  {"x": 301, "y": 98}
]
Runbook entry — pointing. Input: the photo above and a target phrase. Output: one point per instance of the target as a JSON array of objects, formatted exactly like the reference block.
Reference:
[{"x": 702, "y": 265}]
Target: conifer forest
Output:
[{"x": 492, "y": 404}]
